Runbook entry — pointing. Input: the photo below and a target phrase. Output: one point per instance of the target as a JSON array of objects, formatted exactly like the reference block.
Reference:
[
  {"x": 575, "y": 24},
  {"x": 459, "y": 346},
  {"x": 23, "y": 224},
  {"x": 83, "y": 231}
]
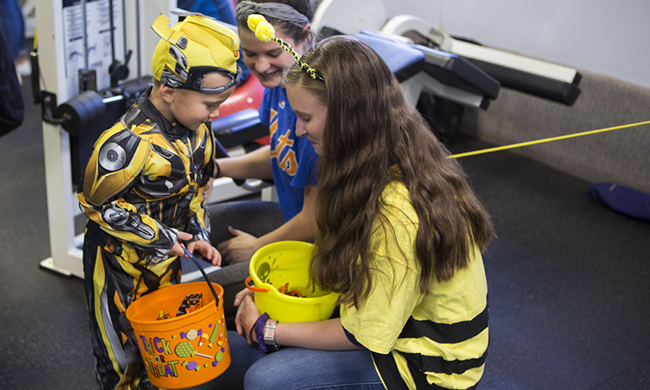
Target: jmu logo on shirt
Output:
[{"x": 281, "y": 147}]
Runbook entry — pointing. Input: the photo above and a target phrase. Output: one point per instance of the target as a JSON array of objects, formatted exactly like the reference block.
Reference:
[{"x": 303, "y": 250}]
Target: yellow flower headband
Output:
[{"x": 265, "y": 32}]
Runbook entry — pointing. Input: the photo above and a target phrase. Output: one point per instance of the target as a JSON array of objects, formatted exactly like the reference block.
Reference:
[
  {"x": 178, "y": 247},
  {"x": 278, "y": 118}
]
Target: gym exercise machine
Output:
[
  {"x": 77, "y": 44},
  {"x": 90, "y": 46},
  {"x": 79, "y": 73},
  {"x": 525, "y": 74},
  {"x": 529, "y": 75},
  {"x": 446, "y": 75}
]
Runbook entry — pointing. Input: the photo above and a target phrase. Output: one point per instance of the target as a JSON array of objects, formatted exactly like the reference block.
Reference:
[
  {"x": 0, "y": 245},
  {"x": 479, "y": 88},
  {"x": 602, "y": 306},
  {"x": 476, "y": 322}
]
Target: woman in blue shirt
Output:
[{"x": 289, "y": 160}]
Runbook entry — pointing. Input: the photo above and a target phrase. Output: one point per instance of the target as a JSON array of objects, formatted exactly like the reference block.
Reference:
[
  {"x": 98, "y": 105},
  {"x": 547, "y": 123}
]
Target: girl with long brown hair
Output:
[{"x": 401, "y": 236}]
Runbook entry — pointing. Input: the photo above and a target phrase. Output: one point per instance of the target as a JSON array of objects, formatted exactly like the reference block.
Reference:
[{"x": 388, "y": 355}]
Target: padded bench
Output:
[{"x": 446, "y": 75}]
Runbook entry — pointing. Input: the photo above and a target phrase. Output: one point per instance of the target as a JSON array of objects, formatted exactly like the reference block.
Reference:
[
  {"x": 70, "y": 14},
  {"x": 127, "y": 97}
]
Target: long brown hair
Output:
[{"x": 369, "y": 129}]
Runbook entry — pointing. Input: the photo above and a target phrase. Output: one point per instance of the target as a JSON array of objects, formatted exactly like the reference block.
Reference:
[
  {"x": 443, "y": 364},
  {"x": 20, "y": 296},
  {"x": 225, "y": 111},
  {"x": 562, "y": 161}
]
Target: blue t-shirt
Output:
[{"x": 292, "y": 158}]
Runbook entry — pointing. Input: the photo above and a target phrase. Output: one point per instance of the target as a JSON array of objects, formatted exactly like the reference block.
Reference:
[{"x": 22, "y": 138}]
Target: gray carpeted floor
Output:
[{"x": 569, "y": 280}]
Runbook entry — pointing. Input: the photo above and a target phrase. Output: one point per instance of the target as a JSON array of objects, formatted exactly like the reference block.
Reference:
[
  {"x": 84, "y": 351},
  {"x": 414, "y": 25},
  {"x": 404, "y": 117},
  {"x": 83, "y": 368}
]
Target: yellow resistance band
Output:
[{"x": 545, "y": 140}]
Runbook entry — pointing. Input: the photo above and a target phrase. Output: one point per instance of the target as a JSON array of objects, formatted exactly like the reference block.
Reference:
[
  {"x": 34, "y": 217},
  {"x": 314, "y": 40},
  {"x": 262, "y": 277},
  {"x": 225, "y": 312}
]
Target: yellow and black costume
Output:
[{"x": 144, "y": 182}]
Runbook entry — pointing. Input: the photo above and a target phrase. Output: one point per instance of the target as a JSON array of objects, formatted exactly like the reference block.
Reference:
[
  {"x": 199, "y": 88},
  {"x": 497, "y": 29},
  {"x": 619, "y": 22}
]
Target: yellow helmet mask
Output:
[{"x": 189, "y": 50}]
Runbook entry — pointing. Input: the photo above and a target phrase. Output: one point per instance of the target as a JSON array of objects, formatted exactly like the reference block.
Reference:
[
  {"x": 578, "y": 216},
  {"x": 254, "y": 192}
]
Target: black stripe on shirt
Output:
[
  {"x": 446, "y": 333},
  {"x": 421, "y": 382},
  {"x": 393, "y": 380},
  {"x": 437, "y": 364},
  {"x": 389, "y": 373}
]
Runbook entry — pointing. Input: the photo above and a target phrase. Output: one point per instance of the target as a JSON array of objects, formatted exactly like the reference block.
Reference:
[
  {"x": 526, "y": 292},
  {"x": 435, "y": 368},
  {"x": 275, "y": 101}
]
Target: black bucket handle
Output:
[{"x": 205, "y": 276}]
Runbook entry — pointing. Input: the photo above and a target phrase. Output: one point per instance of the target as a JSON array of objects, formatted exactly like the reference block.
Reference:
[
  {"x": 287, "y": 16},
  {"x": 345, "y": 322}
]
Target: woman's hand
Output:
[
  {"x": 241, "y": 295},
  {"x": 207, "y": 250},
  {"x": 239, "y": 248},
  {"x": 247, "y": 314}
]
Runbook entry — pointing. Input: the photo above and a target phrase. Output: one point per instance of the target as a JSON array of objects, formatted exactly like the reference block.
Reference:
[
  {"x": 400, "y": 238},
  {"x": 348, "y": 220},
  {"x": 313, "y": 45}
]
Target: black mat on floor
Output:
[{"x": 569, "y": 281}]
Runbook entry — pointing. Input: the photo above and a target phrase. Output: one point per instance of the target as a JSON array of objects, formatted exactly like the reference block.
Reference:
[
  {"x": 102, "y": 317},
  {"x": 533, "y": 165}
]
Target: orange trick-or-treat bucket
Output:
[{"x": 181, "y": 351}]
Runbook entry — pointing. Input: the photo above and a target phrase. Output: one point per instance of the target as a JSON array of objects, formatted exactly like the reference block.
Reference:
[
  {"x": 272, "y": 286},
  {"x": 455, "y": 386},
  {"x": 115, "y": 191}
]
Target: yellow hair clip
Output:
[
  {"x": 254, "y": 20},
  {"x": 265, "y": 32}
]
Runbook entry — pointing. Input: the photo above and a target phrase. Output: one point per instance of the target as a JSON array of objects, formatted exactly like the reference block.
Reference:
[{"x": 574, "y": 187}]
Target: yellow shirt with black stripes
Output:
[{"x": 436, "y": 340}]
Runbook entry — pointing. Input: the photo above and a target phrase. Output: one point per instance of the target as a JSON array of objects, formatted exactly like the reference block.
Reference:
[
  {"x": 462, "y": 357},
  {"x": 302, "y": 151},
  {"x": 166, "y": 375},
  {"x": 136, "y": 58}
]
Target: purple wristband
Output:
[{"x": 259, "y": 332}]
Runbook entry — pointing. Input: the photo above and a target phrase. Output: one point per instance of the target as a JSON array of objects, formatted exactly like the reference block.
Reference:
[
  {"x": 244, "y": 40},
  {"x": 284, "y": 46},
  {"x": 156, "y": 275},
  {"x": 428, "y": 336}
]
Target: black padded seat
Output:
[{"x": 459, "y": 72}]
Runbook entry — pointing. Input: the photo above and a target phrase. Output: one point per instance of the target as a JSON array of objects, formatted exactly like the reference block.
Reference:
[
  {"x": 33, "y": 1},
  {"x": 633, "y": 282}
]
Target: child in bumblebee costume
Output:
[{"x": 143, "y": 188}]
